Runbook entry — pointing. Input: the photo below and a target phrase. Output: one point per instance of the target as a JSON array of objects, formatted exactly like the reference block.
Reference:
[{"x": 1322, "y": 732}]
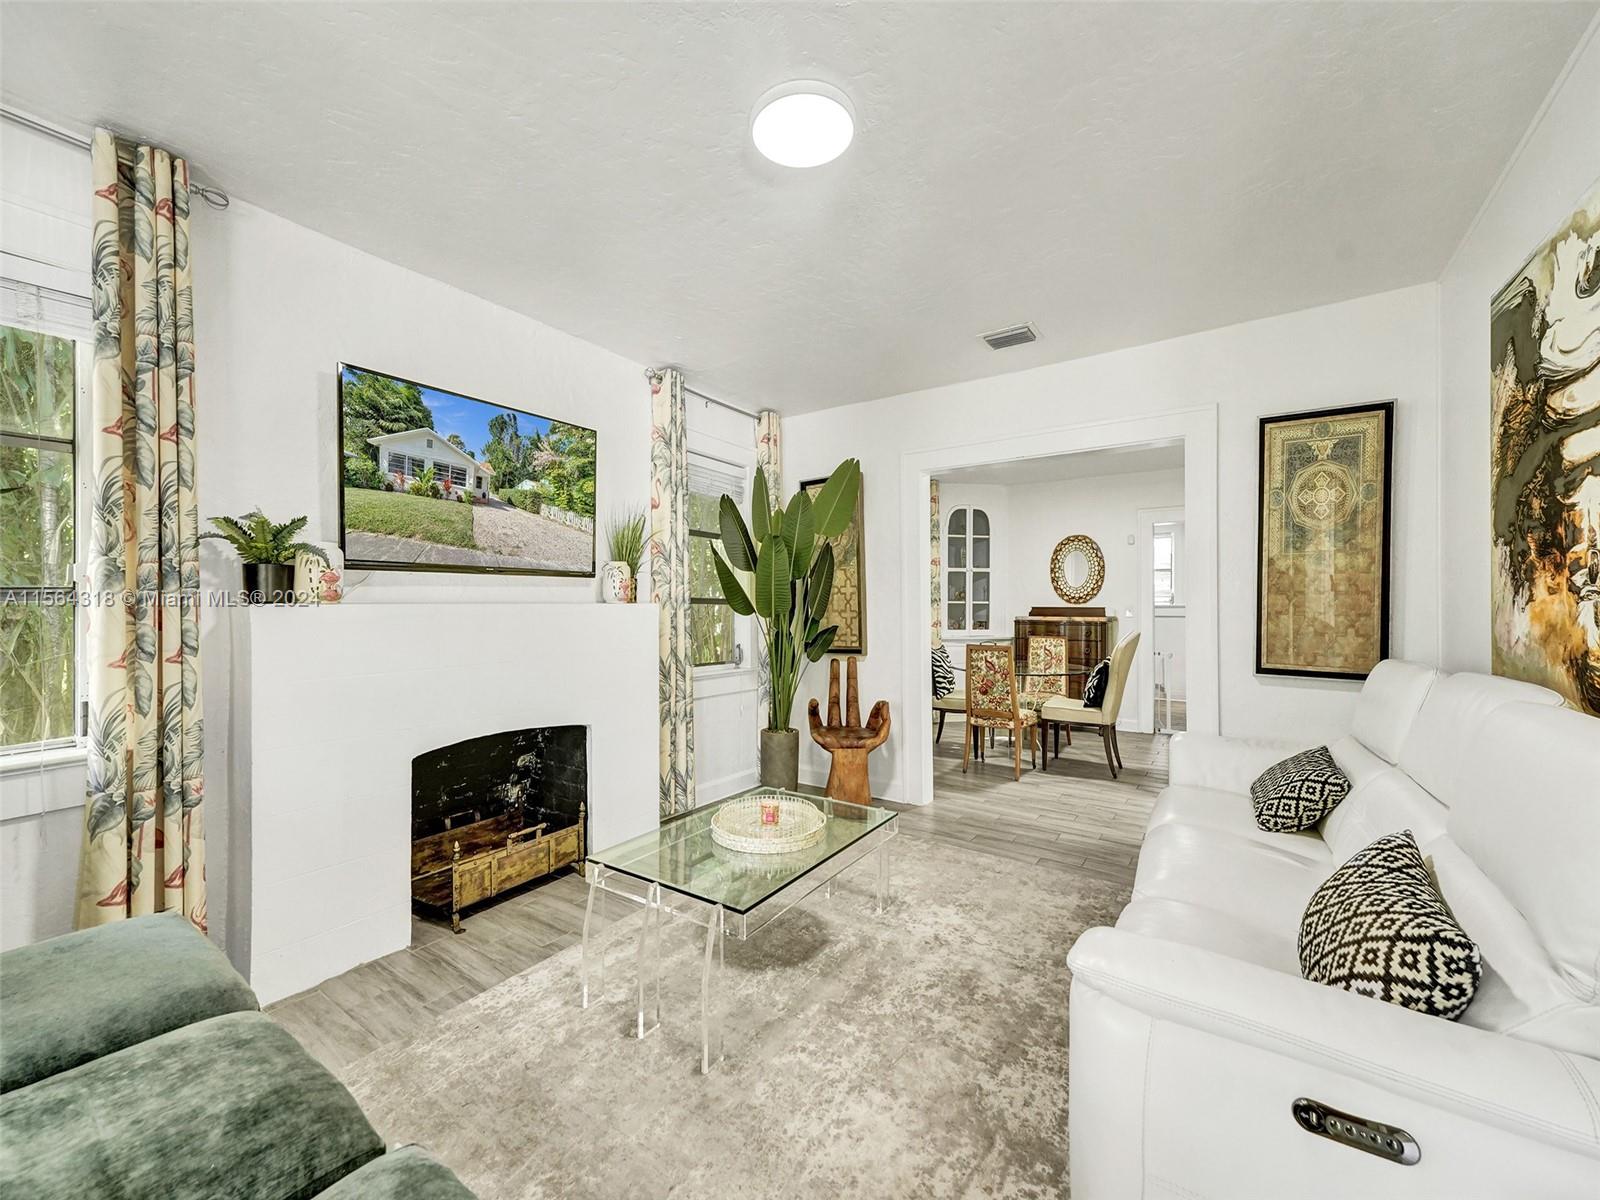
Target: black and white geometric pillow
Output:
[
  {"x": 1299, "y": 791},
  {"x": 1378, "y": 926},
  {"x": 1094, "y": 688},
  {"x": 944, "y": 673}
]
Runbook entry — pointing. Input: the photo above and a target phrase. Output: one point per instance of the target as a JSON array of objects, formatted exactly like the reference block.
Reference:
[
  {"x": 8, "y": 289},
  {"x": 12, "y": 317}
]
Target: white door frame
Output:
[
  {"x": 1145, "y": 679},
  {"x": 1195, "y": 427}
]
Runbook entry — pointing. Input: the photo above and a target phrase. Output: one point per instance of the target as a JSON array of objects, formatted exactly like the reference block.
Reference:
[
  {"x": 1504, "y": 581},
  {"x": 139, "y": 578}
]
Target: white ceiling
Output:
[
  {"x": 1116, "y": 173},
  {"x": 1120, "y": 460}
]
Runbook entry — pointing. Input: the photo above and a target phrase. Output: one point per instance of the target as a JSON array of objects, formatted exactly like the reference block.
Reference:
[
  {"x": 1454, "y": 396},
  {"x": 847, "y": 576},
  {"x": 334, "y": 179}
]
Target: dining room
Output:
[{"x": 1059, "y": 664}]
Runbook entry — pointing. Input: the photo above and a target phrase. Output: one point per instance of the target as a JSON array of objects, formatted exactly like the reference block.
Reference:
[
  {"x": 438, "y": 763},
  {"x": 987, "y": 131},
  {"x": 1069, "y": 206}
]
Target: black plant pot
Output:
[{"x": 268, "y": 583}]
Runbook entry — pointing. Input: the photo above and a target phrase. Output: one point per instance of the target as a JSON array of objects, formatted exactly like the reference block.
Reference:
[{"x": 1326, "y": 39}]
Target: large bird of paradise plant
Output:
[{"x": 775, "y": 569}]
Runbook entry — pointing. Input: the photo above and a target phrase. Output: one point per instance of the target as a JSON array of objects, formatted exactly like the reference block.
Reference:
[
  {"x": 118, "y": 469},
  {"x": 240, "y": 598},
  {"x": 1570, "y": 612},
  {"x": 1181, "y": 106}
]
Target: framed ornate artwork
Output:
[
  {"x": 1544, "y": 464},
  {"x": 1322, "y": 587},
  {"x": 847, "y": 605}
]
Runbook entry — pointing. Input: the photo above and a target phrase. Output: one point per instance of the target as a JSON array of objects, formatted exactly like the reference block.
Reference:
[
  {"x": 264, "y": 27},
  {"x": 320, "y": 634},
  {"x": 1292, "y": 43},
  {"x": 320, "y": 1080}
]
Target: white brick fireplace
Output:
[{"x": 328, "y": 707}]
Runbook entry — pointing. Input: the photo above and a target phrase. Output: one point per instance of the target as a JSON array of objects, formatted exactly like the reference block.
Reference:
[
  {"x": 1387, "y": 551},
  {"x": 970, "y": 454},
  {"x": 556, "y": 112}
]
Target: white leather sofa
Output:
[{"x": 1193, "y": 1033}]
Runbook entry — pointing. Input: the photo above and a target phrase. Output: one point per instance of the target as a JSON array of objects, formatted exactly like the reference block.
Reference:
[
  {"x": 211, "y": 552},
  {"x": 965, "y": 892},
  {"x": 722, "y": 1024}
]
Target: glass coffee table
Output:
[{"x": 678, "y": 870}]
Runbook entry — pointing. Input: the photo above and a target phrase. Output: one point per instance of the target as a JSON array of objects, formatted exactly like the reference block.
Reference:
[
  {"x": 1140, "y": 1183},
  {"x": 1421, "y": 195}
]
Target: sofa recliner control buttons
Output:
[{"x": 1385, "y": 1141}]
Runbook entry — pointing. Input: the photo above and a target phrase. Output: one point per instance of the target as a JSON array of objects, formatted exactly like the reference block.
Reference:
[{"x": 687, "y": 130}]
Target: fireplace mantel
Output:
[{"x": 327, "y": 706}]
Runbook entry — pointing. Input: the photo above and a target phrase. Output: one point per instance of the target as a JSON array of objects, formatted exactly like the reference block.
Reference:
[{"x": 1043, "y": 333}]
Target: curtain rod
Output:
[
  {"x": 38, "y": 126},
  {"x": 215, "y": 197},
  {"x": 743, "y": 412}
]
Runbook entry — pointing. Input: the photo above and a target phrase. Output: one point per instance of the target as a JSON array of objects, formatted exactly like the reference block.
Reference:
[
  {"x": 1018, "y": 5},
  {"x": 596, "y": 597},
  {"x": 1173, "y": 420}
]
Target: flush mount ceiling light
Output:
[{"x": 802, "y": 124}]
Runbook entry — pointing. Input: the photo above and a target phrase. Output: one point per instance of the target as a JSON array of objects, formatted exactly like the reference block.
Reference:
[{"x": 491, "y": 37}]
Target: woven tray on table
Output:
[{"x": 768, "y": 823}]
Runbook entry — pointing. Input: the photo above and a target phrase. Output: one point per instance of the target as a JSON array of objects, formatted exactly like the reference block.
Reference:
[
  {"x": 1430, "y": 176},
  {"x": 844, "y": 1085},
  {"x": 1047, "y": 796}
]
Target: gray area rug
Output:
[{"x": 920, "y": 1053}]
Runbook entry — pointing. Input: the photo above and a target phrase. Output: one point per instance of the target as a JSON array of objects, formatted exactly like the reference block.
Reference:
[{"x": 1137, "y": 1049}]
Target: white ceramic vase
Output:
[
  {"x": 616, "y": 583},
  {"x": 316, "y": 581}
]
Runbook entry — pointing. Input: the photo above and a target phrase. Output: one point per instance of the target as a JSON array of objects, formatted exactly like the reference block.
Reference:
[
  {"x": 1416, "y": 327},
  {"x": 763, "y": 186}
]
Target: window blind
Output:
[
  {"x": 28, "y": 306},
  {"x": 713, "y": 477}
]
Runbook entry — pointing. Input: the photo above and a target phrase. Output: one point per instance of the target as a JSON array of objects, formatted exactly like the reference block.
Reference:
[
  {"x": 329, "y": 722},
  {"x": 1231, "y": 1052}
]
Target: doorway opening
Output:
[{"x": 1038, "y": 545}]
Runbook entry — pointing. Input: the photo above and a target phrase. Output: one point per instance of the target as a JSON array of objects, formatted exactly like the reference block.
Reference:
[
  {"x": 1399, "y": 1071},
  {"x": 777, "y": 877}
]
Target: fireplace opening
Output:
[{"x": 495, "y": 812}]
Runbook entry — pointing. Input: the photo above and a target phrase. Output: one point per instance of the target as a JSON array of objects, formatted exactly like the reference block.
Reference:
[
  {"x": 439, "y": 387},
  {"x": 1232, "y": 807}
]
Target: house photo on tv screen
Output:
[{"x": 438, "y": 481}]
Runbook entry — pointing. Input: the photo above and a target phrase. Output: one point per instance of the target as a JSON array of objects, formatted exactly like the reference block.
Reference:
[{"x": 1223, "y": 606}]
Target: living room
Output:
[{"x": 484, "y": 484}]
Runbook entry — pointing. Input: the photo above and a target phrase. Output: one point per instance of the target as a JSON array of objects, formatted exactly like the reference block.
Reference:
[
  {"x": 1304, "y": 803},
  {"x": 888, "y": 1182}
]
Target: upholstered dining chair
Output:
[
  {"x": 1069, "y": 711},
  {"x": 994, "y": 702},
  {"x": 1046, "y": 678}
]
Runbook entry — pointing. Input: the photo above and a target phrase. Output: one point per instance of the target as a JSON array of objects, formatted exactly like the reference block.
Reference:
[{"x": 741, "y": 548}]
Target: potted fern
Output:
[
  {"x": 779, "y": 568},
  {"x": 267, "y": 551}
]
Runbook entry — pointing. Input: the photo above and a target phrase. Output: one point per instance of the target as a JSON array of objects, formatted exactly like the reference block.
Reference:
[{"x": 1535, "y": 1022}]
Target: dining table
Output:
[{"x": 1024, "y": 673}]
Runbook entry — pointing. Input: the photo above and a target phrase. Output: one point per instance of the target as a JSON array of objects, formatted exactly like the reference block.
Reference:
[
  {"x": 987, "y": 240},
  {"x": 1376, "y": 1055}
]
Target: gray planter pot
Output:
[
  {"x": 780, "y": 758},
  {"x": 268, "y": 583}
]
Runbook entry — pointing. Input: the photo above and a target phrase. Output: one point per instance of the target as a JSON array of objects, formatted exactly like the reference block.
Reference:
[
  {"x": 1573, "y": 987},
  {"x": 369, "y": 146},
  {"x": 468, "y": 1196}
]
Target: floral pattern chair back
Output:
[
  {"x": 991, "y": 682},
  {"x": 1047, "y": 670}
]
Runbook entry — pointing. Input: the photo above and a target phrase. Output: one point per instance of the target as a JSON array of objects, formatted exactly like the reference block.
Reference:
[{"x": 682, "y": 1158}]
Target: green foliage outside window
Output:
[
  {"x": 38, "y": 384},
  {"x": 711, "y": 629}
]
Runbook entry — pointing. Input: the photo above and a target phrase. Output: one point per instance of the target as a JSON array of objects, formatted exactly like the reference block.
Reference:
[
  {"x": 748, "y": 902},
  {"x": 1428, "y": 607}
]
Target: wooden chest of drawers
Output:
[{"x": 1089, "y": 636}]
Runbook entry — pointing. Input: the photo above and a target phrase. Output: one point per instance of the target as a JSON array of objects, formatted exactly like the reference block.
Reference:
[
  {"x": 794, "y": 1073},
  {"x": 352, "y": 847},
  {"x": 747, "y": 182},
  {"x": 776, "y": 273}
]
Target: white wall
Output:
[
  {"x": 1556, "y": 164},
  {"x": 1106, "y": 507},
  {"x": 277, "y": 307},
  {"x": 328, "y": 741},
  {"x": 1375, "y": 348}
]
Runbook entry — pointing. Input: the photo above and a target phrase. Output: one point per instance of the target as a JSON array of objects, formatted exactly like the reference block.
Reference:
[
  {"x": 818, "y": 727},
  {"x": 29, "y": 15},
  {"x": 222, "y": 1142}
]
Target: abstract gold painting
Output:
[
  {"x": 847, "y": 603},
  {"x": 1322, "y": 592},
  {"x": 1544, "y": 464}
]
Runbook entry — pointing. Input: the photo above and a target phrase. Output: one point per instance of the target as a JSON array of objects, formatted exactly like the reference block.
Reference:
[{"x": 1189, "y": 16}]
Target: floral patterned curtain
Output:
[
  {"x": 769, "y": 461},
  {"x": 934, "y": 561},
  {"x": 769, "y": 450},
  {"x": 669, "y": 581},
  {"x": 144, "y": 839}
]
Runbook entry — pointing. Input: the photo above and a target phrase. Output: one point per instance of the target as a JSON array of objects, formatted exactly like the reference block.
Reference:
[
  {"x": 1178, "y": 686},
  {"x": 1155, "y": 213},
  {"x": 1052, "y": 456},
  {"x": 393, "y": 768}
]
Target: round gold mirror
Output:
[{"x": 1077, "y": 569}]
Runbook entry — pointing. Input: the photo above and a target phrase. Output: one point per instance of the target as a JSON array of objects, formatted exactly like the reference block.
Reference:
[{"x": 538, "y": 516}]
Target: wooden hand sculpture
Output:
[{"x": 850, "y": 742}]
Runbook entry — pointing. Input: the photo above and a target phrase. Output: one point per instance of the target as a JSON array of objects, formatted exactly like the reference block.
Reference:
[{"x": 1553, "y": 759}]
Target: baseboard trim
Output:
[
  {"x": 726, "y": 785},
  {"x": 819, "y": 779}
]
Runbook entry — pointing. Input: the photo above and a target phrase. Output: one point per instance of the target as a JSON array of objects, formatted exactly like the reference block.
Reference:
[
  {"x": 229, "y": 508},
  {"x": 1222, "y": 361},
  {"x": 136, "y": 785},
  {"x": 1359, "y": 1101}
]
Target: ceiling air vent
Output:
[{"x": 1011, "y": 335}]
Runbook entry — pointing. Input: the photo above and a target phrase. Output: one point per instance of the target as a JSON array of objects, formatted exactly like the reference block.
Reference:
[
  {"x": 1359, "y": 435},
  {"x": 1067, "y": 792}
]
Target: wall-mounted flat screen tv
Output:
[{"x": 437, "y": 481}]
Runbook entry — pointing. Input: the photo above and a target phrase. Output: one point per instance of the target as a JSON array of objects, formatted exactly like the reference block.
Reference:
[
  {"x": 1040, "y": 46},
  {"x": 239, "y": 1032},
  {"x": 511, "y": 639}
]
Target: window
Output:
[
  {"x": 40, "y": 374},
  {"x": 418, "y": 466},
  {"x": 966, "y": 561},
  {"x": 713, "y": 626},
  {"x": 1165, "y": 579},
  {"x": 456, "y": 475},
  {"x": 397, "y": 463}
]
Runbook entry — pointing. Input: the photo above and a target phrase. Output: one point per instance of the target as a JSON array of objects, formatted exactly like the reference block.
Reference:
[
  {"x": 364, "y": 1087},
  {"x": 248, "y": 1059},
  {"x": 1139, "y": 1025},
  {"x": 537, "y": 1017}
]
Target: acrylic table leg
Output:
[
  {"x": 588, "y": 933},
  {"x": 711, "y": 982},
  {"x": 883, "y": 877},
  {"x": 649, "y": 962}
]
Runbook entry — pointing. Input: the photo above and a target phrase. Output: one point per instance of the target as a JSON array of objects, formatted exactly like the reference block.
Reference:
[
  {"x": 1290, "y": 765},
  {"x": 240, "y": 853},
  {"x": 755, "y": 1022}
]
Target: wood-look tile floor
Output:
[{"x": 1072, "y": 816}]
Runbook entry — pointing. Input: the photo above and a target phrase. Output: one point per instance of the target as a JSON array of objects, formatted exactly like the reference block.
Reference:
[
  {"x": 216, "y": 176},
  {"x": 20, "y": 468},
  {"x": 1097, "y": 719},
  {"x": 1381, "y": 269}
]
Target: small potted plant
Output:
[
  {"x": 267, "y": 551},
  {"x": 626, "y": 537},
  {"x": 779, "y": 568}
]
